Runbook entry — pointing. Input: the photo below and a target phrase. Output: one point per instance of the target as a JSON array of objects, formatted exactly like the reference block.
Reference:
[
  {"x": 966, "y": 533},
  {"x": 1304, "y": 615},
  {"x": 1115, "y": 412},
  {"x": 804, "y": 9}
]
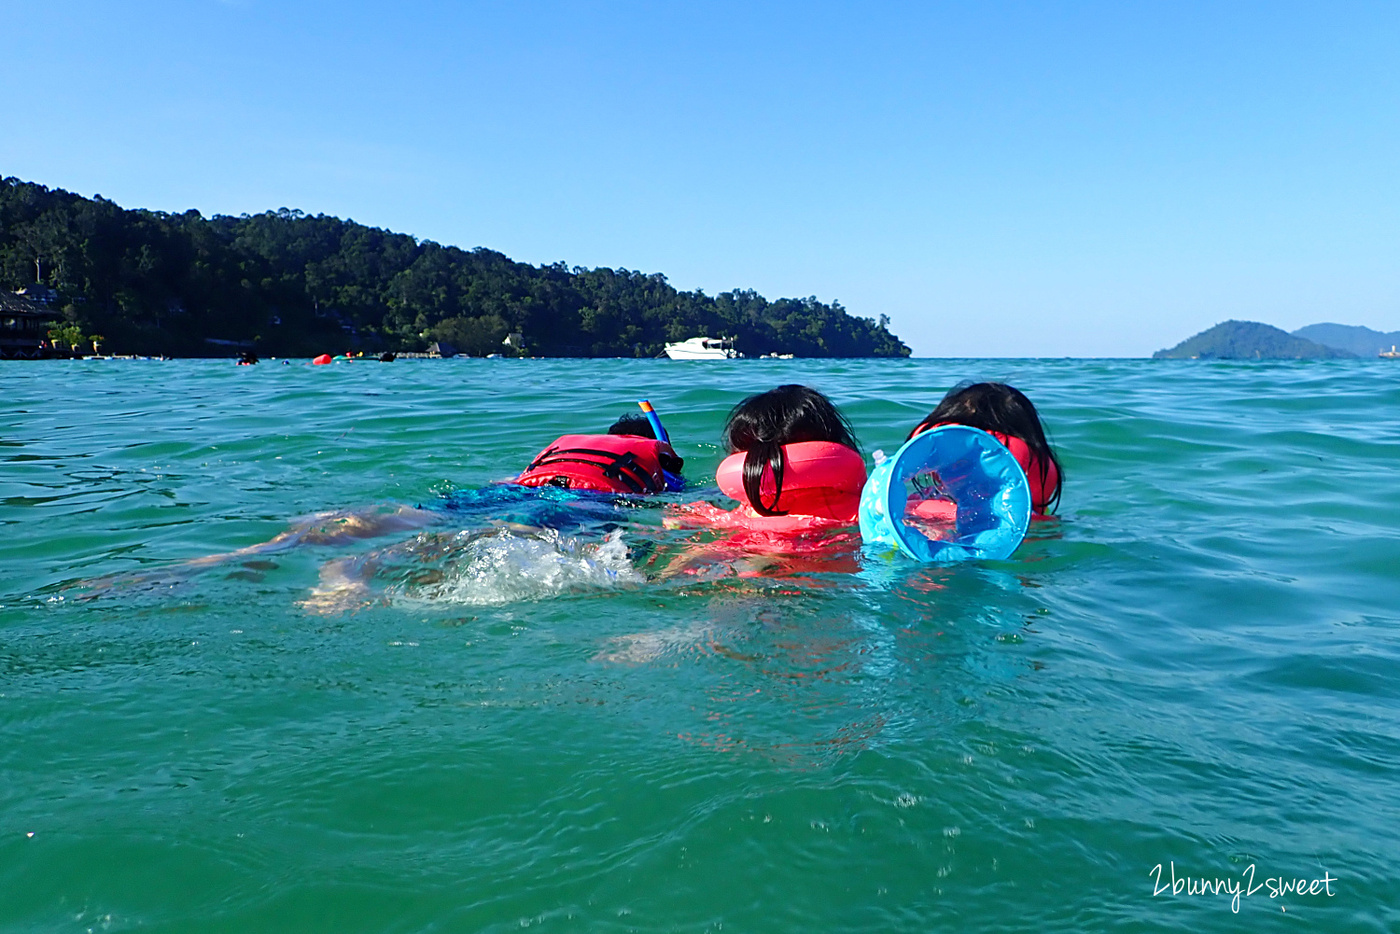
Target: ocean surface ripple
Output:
[{"x": 1193, "y": 672}]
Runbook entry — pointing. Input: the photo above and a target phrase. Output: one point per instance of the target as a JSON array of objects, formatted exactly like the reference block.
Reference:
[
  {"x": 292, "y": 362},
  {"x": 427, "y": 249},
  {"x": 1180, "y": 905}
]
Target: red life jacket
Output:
[
  {"x": 606, "y": 463},
  {"x": 1042, "y": 483}
]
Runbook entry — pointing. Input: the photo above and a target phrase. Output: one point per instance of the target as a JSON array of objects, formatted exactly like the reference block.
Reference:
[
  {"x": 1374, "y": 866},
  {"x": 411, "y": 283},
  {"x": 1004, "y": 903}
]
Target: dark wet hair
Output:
[
  {"x": 997, "y": 407},
  {"x": 762, "y": 424},
  {"x": 638, "y": 425},
  {"x": 633, "y": 423}
]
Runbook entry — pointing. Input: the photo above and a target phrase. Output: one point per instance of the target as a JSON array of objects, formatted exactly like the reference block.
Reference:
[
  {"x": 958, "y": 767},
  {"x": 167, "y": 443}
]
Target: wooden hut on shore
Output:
[{"x": 24, "y": 326}]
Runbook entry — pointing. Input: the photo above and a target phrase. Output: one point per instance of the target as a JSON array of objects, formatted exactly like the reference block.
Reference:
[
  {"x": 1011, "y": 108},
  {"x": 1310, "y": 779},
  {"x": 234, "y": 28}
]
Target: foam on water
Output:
[{"x": 511, "y": 566}]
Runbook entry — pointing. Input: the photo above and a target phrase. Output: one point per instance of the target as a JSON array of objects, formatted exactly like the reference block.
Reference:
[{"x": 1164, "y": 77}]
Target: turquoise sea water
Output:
[{"x": 1197, "y": 667}]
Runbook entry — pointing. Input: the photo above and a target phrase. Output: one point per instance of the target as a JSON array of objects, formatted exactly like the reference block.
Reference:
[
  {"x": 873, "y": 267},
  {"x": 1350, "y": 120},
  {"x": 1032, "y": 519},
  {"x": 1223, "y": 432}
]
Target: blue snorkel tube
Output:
[
  {"x": 655, "y": 420},
  {"x": 674, "y": 483},
  {"x": 953, "y": 493}
]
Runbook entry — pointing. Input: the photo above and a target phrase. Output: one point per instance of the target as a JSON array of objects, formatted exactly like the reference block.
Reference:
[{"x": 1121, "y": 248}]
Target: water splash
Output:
[{"x": 510, "y": 566}]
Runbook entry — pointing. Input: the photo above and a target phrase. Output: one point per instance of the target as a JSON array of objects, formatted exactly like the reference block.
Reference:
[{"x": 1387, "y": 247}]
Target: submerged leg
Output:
[
  {"x": 343, "y": 585},
  {"x": 332, "y": 528}
]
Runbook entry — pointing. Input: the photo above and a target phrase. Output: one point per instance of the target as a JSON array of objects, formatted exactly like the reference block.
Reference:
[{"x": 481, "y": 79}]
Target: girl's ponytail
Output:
[{"x": 762, "y": 457}]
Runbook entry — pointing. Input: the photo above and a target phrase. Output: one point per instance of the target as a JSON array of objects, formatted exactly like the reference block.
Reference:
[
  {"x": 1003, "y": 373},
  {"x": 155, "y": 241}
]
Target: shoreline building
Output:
[{"x": 24, "y": 325}]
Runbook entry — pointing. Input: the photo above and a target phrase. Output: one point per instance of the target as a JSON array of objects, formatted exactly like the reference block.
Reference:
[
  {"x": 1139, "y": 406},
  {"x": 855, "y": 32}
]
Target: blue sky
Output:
[{"x": 1001, "y": 179}]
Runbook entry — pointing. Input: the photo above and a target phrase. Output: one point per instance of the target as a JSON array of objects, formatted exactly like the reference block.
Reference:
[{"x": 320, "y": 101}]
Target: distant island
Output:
[
  {"x": 287, "y": 283},
  {"x": 1250, "y": 340},
  {"x": 1364, "y": 342}
]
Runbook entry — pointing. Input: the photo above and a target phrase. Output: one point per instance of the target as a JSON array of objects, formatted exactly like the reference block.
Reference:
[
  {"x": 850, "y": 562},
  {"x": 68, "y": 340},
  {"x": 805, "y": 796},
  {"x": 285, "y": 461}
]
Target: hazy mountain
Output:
[
  {"x": 1248, "y": 340},
  {"x": 1363, "y": 342}
]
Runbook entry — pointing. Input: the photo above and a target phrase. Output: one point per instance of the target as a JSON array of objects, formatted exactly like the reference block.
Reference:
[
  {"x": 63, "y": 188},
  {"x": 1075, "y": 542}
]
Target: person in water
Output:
[
  {"x": 579, "y": 478},
  {"x": 767, "y": 429},
  {"x": 578, "y": 484},
  {"x": 1007, "y": 415},
  {"x": 797, "y": 473},
  {"x": 628, "y": 459}
]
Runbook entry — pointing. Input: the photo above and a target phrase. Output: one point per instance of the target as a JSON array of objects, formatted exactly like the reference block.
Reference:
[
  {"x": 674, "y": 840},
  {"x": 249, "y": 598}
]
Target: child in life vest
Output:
[
  {"x": 628, "y": 459},
  {"x": 793, "y": 467},
  {"x": 1007, "y": 415}
]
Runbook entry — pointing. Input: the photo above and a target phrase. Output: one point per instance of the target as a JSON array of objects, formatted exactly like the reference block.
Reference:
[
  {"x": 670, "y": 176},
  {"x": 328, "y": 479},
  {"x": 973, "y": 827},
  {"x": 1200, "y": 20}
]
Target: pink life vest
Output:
[
  {"x": 821, "y": 490},
  {"x": 606, "y": 463}
]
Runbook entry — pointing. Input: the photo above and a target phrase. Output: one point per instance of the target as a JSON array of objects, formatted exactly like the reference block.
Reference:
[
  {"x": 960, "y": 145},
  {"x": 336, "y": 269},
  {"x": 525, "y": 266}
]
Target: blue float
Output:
[{"x": 952, "y": 493}]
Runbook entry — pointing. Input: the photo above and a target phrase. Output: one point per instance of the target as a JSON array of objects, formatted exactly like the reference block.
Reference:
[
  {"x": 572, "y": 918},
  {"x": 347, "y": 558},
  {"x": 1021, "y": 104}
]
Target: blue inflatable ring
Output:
[{"x": 950, "y": 494}]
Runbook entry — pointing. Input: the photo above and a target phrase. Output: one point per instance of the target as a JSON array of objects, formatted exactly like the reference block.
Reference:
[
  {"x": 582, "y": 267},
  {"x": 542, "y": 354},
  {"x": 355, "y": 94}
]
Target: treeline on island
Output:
[{"x": 289, "y": 283}]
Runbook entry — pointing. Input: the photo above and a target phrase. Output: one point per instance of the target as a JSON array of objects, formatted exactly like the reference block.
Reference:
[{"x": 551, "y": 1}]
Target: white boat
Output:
[
  {"x": 1391, "y": 354},
  {"x": 703, "y": 348}
]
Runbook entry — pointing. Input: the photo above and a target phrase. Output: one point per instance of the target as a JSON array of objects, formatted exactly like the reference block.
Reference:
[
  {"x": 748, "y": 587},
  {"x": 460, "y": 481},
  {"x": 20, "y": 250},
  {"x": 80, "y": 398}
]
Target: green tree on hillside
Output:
[{"x": 295, "y": 283}]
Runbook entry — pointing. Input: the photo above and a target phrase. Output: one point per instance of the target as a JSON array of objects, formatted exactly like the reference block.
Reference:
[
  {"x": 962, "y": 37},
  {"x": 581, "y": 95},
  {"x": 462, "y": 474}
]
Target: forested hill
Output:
[
  {"x": 151, "y": 282},
  {"x": 1247, "y": 340}
]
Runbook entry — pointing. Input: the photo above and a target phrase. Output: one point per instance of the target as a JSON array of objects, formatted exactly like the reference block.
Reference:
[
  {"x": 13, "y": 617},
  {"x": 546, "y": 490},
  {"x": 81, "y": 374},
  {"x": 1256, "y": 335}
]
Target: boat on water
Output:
[
  {"x": 1391, "y": 354},
  {"x": 703, "y": 348}
]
